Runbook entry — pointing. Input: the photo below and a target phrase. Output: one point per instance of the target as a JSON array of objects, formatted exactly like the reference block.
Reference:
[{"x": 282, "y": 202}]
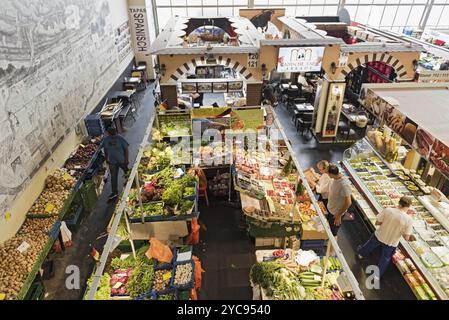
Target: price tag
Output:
[
  {"x": 117, "y": 285},
  {"x": 49, "y": 207},
  {"x": 82, "y": 145},
  {"x": 2, "y": 296},
  {"x": 23, "y": 247},
  {"x": 166, "y": 276},
  {"x": 67, "y": 176},
  {"x": 8, "y": 216}
]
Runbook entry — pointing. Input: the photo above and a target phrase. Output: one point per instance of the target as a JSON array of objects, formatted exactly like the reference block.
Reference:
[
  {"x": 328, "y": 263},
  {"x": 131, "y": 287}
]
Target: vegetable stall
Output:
[
  {"x": 159, "y": 206},
  {"x": 66, "y": 191}
]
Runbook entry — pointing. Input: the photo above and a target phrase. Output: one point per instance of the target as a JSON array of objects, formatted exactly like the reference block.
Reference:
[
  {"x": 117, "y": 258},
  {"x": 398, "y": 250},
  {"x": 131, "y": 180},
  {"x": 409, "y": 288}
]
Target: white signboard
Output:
[
  {"x": 139, "y": 26},
  {"x": 433, "y": 76},
  {"x": 300, "y": 59}
]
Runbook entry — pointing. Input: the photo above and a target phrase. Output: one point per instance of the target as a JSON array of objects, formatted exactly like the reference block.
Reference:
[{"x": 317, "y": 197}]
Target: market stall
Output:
[
  {"x": 403, "y": 157},
  {"x": 67, "y": 195},
  {"x": 203, "y": 61},
  {"x": 160, "y": 203}
]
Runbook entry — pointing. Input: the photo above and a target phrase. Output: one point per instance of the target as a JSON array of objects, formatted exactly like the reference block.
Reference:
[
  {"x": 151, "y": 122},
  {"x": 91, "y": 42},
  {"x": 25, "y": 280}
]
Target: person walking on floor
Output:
[
  {"x": 116, "y": 151},
  {"x": 322, "y": 186},
  {"x": 339, "y": 199},
  {"x": 393, "y": 223}
]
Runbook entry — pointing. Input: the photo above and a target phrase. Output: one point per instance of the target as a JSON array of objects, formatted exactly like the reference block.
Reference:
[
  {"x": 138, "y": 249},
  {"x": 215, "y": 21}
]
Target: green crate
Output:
[
  {"x": 125, "y": 245},
  {"x": 89, "y": 196},
  {"x": 36, "y": 291}
]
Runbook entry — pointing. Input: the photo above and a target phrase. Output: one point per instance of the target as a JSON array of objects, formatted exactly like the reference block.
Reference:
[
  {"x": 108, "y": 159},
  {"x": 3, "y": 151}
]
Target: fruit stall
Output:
[
  {"x": 64, "y": 192},
  {"x": 405, "y": 155}
]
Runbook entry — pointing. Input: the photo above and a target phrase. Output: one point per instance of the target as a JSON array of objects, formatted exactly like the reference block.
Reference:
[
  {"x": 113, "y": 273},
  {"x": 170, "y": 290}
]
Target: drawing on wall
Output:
[{"x": 57, "y": 59}]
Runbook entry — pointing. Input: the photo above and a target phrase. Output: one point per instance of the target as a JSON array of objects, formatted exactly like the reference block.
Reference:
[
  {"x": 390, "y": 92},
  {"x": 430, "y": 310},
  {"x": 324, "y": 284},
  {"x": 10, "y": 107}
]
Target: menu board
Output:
[
  {"x": 220, "y": 87},
  {"x": 188, "y": 87}
]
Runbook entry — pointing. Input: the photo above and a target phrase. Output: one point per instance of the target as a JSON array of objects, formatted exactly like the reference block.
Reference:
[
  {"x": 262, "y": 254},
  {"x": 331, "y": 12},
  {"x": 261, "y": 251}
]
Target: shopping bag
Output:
[
  {"x": 198, "y": 272},
  {"x": 159, "y": 251},
  {"x": 194, "y": 236}
]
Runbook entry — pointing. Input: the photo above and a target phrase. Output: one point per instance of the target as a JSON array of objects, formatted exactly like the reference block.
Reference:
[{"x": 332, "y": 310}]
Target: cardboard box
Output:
[
  {"x": 269, "y": 242},
  {"x": 308, "y": 232}
]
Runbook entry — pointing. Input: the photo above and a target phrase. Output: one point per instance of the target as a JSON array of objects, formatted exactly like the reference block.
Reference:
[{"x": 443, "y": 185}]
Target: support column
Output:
[
  {"x": 328, "y": 107},
  {"x": 169, "y": 92},
  {"x": 253, "y": 94}
]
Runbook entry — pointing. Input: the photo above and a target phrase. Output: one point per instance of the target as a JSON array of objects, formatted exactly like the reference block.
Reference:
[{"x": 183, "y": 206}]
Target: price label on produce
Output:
[
  {"x": 2, "y": 296},
  {"x": 67, "y": 176},
  {"x": 23, "y": 247},
  {"x": 8, "y": 216},
  {"x": 49, "y": 208},
  {"x": 117, "y": 285},
  {"x": 166, "y": 276}
]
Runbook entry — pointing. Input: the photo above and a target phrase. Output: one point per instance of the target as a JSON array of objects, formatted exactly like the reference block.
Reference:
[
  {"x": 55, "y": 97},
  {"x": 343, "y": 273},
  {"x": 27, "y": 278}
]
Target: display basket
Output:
[
  {"x": 195, "y": 195},
  {"x": 165, "y": 292},
  {"x": 188, "y": 285},
  {"x": 169, "y": 286},
  {"x": 148, "y": 218}
]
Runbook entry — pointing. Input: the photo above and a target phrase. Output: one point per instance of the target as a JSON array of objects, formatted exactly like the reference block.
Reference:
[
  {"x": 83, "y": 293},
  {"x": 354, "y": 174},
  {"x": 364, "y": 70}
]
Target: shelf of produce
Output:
[
  {"x": 37, "y": 265},
  {"x": 403, "y": 244}
]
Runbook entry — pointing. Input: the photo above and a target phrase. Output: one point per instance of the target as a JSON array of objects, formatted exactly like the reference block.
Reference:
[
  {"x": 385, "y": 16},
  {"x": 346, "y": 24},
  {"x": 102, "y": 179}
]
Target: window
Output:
[{"x": 385, "y": 14}]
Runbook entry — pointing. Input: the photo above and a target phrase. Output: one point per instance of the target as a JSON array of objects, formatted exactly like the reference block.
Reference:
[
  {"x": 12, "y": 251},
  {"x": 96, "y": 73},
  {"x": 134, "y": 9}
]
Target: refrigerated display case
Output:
[{"x": 379, "y": 185}]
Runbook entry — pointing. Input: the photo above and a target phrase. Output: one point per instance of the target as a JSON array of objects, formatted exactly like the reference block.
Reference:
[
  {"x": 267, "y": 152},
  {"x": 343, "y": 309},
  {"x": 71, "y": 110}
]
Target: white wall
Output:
[{"x": 57, "y": 60}]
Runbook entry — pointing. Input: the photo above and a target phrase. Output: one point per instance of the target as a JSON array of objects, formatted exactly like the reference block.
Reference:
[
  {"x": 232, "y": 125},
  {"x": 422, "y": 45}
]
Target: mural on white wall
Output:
[{"x": 57, "y": 59}]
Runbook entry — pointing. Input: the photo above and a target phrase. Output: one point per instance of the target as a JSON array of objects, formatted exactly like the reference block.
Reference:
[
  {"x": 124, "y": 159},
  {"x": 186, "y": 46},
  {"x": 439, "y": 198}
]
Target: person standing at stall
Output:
[
  {"x": 322, "y": 186},
  {"x": 393, "y": 223},
  {"x": 339, "y": 199},
  {"x": 116, "y": 151}
]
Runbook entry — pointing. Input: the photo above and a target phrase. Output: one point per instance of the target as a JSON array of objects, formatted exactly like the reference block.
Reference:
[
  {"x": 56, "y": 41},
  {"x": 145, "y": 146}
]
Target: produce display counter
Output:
[
  {"x": 381, "y": 185},
  {"x": 297, "y": 275},
  {"x": 64, "y": 189},
  {"x": 281, "y": 272}
]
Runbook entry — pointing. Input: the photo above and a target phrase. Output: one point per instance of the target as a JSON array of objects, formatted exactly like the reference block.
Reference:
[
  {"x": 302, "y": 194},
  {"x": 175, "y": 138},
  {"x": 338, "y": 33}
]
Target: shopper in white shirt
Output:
[
  {"x": 339, "y": 199},
  {"x": 393, "y": 223},
  {"x": 322, "y": 186}
]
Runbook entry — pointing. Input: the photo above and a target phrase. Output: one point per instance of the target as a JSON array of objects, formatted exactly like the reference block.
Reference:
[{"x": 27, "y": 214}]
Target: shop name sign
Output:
[
  {"x": 139, "y": 26},
  {"x": 300, "y": 59},
  {"x": 433, "y": 75}
]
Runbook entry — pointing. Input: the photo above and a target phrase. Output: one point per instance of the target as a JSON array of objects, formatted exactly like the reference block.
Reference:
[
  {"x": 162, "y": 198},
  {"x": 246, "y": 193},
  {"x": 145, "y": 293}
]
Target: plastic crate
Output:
[
  {"x": 169, "y": 291},
  {"x": 89, "y": 195},
  {"x": 73, "y": 221},
  {"x": 94, "y": 125},
  {"x": 169, "y": 287},
  {"x": 36, "y": 292},
  {"x": 54, "y": 231},
  {"x": 186, "y": 286}
]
